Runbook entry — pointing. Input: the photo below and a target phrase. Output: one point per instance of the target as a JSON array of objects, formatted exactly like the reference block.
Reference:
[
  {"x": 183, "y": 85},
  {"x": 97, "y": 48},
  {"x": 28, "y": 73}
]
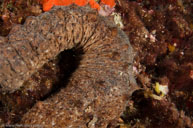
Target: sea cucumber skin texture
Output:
[
  {"x": 41, "y": 38},
  {"x": 97, "y": 91}
]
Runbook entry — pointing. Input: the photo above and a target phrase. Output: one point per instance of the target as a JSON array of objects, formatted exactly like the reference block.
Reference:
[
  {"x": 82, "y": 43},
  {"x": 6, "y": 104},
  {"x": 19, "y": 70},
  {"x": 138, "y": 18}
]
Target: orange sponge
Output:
[
  {"x": 111, "y": 3},
  {"x": 94, "y": 4},
  {"x": 81, "y": 2},
  {"x": 48, "y": 4}
]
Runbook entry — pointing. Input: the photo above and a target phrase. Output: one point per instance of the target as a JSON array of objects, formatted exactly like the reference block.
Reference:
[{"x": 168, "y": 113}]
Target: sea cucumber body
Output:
[{"x": 97, "y": 91}]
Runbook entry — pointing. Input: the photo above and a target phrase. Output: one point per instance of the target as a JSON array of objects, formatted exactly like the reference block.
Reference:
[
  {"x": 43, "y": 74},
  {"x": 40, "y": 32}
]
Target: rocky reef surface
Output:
[{"x": 161, "y": 34}]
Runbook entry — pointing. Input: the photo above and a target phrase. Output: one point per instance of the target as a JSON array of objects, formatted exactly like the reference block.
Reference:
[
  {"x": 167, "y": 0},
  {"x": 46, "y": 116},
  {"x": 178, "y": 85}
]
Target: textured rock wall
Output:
[{"x": 97, "y": 91}]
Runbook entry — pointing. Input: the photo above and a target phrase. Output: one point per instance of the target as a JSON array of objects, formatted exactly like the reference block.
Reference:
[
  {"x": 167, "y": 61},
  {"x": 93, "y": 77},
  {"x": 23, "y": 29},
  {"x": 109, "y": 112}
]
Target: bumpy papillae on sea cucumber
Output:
[{"x": 98, "y": 89}]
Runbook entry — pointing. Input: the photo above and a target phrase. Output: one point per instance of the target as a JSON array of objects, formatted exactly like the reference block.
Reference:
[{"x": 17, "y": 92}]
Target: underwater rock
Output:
[{"x": 97, "y": 91}]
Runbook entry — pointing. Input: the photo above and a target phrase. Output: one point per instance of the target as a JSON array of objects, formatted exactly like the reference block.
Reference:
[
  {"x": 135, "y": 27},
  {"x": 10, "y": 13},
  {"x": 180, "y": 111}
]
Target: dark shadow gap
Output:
[{"x": 68, "y": 62}]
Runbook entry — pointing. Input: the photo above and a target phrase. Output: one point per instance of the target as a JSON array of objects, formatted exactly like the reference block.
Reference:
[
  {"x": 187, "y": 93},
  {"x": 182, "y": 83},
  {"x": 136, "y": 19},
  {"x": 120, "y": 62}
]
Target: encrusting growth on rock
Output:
[{"x": 98, "y": 89}]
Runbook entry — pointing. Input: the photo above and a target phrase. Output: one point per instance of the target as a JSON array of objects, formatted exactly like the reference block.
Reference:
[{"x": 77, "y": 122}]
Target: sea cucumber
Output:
[{"x": 98, "y": 89}]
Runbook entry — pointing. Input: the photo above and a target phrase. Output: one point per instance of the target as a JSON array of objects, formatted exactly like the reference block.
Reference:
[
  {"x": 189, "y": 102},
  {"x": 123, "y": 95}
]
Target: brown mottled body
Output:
[{"x": 97, "y": 91}]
